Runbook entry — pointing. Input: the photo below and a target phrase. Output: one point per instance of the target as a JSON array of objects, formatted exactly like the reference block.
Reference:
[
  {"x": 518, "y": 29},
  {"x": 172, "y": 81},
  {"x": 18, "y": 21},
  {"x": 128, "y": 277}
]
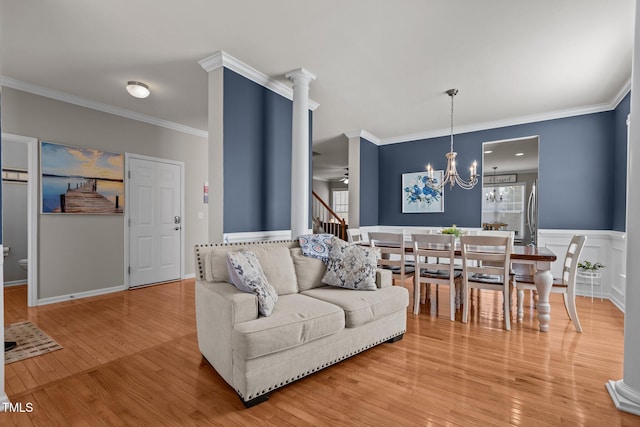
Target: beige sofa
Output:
[{"x": 312, "y": 325}]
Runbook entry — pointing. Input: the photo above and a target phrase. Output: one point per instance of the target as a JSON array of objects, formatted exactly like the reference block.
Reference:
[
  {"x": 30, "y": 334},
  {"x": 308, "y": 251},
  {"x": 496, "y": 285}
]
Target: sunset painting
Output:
[{"x": 81, "y": 180}]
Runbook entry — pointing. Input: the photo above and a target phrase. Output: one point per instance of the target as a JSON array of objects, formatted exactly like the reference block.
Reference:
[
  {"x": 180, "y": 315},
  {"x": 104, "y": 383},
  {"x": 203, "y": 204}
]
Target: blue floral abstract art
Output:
[{"x": 418, "y": 196}]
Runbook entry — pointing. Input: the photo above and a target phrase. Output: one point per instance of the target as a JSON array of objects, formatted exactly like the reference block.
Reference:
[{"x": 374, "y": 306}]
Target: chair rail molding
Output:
[{"x": 257, "y": 236}]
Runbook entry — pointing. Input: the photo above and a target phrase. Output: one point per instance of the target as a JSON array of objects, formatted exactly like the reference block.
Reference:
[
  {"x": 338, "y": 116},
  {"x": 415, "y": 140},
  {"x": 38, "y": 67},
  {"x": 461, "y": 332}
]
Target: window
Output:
[
  {"x": 507, "y": 207},
  {"x": 340, "y": 203}
]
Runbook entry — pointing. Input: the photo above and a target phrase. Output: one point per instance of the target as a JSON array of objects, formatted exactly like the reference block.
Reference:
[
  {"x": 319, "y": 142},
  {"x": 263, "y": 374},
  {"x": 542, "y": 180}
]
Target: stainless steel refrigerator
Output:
[{"x": 531, "y": 238}]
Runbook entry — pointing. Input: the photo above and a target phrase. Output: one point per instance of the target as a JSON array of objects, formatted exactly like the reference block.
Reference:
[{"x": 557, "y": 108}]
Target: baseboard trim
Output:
[
  {"x": 618, "y": 391},
  {"x": 189, "y": 276},
  {"x": 80, "y": 295},
  {"x": 15, "y": 283}
]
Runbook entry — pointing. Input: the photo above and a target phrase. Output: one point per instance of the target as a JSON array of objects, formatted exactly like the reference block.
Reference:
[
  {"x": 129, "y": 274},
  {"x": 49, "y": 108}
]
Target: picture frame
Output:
[
  {"x": 418, "y": 196},
  {"x": 77, "y": 180}
]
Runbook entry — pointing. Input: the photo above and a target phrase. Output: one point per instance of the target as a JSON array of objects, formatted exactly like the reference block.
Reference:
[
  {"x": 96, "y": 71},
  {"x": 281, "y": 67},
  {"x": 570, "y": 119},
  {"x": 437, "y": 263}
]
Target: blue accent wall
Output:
[
  {"x": 575, "y": 174},
  {"x": 0, "y": 164},
  {"x": 620, "y": 164},
  {"x": 369, "y": 192},
  {"x": 257, "y": 157}
]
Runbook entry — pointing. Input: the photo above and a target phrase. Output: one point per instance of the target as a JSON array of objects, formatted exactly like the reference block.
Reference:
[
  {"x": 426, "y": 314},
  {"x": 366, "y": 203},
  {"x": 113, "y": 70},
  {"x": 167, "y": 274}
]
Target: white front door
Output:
[{"x": 155, "y": 222}]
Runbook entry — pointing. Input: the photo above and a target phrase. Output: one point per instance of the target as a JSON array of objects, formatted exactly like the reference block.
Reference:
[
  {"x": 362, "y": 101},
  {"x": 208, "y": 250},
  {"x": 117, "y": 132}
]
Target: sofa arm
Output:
[
  {"x": 384, "y": 278},
  {"x": 223, "y": 297},
  {"x": 220, "y": 306}
]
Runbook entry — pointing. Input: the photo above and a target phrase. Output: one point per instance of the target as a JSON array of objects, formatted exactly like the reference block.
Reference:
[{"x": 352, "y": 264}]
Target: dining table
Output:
[{"x": 540, "y": 258}]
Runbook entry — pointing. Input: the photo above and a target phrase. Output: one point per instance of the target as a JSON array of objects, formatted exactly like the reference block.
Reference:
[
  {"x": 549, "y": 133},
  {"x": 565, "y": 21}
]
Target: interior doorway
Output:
[
  {"x": 21, "y": 166},
  {"x": 510, "y": 187}
]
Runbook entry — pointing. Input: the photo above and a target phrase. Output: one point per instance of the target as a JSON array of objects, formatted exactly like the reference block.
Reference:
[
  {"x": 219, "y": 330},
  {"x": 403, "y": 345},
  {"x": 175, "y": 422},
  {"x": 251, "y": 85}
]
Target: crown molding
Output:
[
  {"x": 624, "y": 90},
  {"x": 361, "y": 133},
  {"x": 559, "y": 114},
  {"x": 552, "y": 115},
  {"x": 105, "y": 108},
  {"x": 223, "y": 59}
]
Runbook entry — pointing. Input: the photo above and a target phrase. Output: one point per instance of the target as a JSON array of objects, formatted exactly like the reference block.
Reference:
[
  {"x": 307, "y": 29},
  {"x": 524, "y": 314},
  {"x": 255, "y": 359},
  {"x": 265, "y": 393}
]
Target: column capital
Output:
[{"x": 300, "y": 74}]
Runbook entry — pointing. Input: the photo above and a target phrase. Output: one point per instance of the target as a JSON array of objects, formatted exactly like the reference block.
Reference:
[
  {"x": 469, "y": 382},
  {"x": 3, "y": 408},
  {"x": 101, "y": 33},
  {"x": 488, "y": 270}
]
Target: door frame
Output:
[
  {"x": 127, "y": 192},
  {"x": 33, "y": 210}
]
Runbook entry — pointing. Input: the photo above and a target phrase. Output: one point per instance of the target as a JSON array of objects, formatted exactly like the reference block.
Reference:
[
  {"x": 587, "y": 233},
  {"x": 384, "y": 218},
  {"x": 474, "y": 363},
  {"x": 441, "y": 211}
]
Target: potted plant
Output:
[
  {"x": 590, "y": 267},
  {"x": 452, "y": 230}
]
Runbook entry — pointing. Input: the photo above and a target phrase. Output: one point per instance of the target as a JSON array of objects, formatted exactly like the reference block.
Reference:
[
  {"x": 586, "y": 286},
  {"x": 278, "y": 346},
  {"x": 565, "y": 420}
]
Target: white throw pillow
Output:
[
  {"x": 246, "y": 274},
  {"x": 351, "y": 266}
]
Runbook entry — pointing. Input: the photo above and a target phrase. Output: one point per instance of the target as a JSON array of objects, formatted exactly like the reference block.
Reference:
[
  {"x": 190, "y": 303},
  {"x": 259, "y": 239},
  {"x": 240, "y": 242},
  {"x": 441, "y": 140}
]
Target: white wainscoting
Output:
[{"x": 606, "y": 246}]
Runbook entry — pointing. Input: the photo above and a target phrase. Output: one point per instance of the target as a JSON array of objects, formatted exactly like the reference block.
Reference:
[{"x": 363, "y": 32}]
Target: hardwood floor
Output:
[{"x": 131, "y": 358}]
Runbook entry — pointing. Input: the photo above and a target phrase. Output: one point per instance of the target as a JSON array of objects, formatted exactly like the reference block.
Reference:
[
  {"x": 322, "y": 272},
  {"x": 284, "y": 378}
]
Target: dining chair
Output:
[
  {"x": 566, "y": 285},
  {"x": 486, "y": 265},
  {"x": 434, "y": 264},
  {"x": 354, "y": 235},
  {"x": 392, "y": 254}
]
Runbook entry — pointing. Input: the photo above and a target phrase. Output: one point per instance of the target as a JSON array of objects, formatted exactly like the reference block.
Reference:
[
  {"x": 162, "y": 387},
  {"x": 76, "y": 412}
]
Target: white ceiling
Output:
[
  {"x": 382, "y": 66},
  {"x": 515, "y": 155}
]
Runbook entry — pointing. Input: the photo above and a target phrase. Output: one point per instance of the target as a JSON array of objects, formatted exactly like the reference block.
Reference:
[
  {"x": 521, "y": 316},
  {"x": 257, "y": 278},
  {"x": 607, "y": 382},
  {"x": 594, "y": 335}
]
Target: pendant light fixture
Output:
[
  {"x": 493, "y": 196},
  {"x": 451, "y": 176}
]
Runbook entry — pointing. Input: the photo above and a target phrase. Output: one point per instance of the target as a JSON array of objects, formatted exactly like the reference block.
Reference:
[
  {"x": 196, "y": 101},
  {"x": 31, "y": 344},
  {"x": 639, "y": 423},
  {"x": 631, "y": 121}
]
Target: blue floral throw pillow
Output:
[
  {"x": 351, "y": 266},
  {"x": 316, "y": 245},
  {"x": 246, "y": 274}
]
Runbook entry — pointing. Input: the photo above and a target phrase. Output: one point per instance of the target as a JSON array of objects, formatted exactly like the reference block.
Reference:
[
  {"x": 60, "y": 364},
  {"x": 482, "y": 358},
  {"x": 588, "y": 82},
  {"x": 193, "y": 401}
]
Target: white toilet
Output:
[{"x": 24, "y": 264}]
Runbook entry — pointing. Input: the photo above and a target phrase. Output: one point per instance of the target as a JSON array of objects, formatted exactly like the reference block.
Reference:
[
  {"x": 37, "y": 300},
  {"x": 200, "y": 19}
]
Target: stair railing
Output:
[{"x": 325, "y": 220}]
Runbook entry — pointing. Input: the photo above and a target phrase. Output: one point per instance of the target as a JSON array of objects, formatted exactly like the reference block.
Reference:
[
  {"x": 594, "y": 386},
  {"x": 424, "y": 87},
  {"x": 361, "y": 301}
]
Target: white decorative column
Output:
[
  {"x": 354, "y": 178},
  {"x": 300, "y": 152},
  {"x": 626, "y": 392}
]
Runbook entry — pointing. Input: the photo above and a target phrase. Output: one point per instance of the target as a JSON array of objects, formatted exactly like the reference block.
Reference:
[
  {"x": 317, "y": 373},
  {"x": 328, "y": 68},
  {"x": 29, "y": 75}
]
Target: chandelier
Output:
[
  {"x": 493, "y": 196},
  {"x": 451, "y": 176}
]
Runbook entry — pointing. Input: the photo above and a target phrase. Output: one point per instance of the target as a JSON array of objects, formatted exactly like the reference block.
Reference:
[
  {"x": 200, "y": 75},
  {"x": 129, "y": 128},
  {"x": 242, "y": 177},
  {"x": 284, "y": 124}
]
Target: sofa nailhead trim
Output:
[{"x": 341, "y": 358}]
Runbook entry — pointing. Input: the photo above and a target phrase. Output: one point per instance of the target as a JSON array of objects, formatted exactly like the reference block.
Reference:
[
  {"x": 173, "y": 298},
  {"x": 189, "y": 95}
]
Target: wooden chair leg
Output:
[
  {"x": 507, "y": 312},
  {"x": 452, "y": 301},
  {"x": 520, "y": 305},
  {"x": 573, "y": 313},
  {"x": 416, "y": 296},
  {"x": 465, "y": 304}
]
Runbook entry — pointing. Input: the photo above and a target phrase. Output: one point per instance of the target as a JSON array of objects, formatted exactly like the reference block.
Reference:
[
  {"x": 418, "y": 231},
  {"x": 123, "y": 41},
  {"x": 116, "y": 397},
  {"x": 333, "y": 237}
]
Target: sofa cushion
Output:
[
  {"x": 246, "y": 274},
  {"x": 296, "y": 319},
  {"x": 276, "y": 263},
  {"x": 316, "y": 245},
  {"x": 309, "y": 271},
  {"x": 363, "y": 307},
  {"x": 351, "y": 266}
]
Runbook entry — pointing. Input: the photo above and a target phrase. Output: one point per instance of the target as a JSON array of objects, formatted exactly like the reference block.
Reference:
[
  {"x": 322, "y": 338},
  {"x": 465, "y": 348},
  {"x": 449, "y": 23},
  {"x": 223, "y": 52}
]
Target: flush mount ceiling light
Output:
[{"x": 138, "y": 89}]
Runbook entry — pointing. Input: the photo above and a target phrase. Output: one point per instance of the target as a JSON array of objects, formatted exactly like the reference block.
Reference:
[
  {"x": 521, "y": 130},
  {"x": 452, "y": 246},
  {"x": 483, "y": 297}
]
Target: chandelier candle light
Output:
[{"x": 451, "y": 176}]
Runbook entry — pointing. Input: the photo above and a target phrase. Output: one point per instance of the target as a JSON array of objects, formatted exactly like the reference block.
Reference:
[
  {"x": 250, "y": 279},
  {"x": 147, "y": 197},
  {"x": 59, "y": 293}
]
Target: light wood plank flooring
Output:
[{"x": 131, "y": 358}]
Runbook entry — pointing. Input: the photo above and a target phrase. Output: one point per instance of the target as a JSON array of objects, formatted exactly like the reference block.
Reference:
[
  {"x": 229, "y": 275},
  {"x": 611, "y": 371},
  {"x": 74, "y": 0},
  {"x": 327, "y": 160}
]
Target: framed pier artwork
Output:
[{"x": 76, "y": 180}]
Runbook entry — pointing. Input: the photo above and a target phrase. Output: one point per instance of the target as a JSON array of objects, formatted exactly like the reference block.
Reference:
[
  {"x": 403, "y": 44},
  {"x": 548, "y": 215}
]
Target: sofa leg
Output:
[
  {"x": 395, "y": 339},
  {"x": 256, "y": 401}
]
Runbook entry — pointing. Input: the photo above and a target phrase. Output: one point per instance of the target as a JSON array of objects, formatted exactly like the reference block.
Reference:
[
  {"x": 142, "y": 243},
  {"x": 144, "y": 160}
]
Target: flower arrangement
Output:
[
  {"x": 588, "y": 266},
  {"x": 452, "y": 230}
]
